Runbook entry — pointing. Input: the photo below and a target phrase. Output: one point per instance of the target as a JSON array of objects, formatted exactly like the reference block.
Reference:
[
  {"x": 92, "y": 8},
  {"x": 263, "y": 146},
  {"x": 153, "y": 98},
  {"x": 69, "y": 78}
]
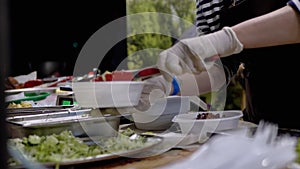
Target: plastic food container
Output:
[
  {"x": 107, "y": 94},
  {"x": 81, "y": 123},
  {"x": 189, "y": 124},
  {"x": 159, "y": 116},
  {"x": 30, "y": 97}
]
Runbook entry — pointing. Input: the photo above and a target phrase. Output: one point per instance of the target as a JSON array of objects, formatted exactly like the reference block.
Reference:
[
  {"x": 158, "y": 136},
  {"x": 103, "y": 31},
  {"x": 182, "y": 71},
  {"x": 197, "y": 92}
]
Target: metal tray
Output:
[
  {"x": 37, "y": 110},
  {"x": 150, "y": 142},
  {"x": 80, "y": 122},
  {"x": 31, "y": 89}
]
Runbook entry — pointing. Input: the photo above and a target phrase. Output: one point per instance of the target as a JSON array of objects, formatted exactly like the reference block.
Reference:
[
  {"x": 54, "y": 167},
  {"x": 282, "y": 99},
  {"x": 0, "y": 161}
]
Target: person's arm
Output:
[
  {"x": 194, "y": 55},
  {"x": 276, "y": 28}
]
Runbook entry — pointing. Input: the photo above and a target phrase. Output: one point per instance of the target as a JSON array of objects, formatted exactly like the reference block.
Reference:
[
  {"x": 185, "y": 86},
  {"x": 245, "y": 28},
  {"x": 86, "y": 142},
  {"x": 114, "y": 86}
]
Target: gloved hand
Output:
[
  {"x": 195, "y": 54},
  {"x": 155, "y": 87}
]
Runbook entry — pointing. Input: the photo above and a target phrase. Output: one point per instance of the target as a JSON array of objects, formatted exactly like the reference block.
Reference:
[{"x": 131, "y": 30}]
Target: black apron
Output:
[{"x": 270, "y": 77}]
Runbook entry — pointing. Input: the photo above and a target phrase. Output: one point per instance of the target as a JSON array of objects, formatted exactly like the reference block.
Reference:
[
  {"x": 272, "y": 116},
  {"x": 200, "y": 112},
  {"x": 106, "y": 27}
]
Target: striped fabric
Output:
[
  {"x": 208, "y": 15},
  {"x": 295, "y": 4}
]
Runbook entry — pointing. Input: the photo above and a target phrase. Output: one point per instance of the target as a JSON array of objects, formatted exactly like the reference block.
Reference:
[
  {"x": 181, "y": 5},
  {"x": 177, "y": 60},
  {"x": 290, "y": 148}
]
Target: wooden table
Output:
[{"x": 171, "y": 156}]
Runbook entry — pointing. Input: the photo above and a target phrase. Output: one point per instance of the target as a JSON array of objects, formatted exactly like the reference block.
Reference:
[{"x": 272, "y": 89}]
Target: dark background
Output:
[
  {"x": 35, "y": 32},
  {"x": 54, "y": 31},
  {"x": 4, "y": 54}
]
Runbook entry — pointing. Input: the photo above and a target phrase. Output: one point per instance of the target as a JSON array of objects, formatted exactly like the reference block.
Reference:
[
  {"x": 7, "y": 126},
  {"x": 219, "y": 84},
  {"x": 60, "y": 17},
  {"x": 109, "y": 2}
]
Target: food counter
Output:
[
  {"x": 167, "y": 147},
  {"x": 164, "y": 159}
]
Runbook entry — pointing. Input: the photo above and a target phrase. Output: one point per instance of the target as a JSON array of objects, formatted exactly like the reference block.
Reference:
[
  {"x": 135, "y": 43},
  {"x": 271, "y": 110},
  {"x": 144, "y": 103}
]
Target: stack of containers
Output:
[{"x": 160, "y": 114}]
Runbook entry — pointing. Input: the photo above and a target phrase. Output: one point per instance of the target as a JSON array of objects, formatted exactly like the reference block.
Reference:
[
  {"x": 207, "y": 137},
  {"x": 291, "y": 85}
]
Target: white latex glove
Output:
[
  {"x": 155, "y": 88},
  {"x": 194, "y": 54},
  {"x": 187, "y": 85}
]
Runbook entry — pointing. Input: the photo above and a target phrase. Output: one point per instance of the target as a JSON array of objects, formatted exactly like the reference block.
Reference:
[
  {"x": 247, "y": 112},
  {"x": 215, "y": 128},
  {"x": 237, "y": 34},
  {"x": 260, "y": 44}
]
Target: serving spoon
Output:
[{"x": 199, "y": 102}]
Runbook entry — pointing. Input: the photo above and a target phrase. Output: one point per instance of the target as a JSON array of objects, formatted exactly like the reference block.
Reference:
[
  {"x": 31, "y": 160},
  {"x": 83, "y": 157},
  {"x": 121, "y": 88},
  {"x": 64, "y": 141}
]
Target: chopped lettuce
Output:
[{"x": 65, "y": 146}]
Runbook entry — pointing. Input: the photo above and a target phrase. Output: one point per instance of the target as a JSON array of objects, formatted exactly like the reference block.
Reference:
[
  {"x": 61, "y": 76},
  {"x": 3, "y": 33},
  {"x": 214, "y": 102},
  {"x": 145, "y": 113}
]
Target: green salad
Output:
[{"x": 65, "y": 146}]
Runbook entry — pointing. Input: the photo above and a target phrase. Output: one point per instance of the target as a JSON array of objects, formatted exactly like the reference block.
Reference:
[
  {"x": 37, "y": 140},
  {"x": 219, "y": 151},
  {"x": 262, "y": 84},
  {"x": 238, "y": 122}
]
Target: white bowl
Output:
[
  {"x": 107, "y": 94},
  {"x": 159, "y": 116},
  {"x": 189, "y": 124}
]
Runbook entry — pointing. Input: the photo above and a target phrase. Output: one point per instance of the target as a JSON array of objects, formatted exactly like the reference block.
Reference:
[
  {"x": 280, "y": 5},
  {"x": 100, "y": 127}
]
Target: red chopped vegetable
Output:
[
  {"x": 32, "y": 83},
  {"x": 98, "y": 79},
  {"x": 108, "y": 77},
  {"x": 122, "y": 76},
  {"x": 114, "y": 76}
]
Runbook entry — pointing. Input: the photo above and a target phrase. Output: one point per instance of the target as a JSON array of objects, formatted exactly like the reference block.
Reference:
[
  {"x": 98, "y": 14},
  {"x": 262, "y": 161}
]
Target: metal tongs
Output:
[
  {"x": 88, "y": 77},
  {"x": 199, "y": 102}
]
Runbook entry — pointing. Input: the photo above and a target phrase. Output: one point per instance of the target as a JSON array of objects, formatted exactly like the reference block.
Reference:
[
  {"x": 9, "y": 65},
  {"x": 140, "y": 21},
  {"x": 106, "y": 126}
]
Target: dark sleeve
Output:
[{"x": 295, "y": 4}]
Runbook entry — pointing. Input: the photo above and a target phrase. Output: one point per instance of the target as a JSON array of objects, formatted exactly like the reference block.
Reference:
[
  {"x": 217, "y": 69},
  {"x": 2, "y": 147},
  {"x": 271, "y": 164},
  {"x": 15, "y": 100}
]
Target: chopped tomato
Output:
[
  {"x": 108, "y": 77},
  {"x": 32, "y": 83},
  {"x": 98, "y": 79},
  {"x": 122, "y": 76},
  {"x": 114, "y": 76}
]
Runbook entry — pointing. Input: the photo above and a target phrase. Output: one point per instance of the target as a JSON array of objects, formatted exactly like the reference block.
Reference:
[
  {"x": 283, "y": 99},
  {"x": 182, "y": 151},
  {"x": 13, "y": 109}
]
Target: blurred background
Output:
[{"x": 47, "y": 36}]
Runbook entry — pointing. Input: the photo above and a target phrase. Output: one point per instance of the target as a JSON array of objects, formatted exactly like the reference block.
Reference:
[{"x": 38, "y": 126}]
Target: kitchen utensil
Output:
[
  {"x": 199, "y": 102},
  {"x": 30, "y": 90},
  {"x": 79, "y": 122},
  {"x": 159, "y": 116}
]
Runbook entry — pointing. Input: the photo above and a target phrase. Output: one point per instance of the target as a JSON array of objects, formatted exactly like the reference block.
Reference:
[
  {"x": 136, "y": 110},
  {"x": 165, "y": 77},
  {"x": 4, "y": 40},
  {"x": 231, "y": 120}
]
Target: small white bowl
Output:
[
  {"x": 189, "y": 124},
  {"x": 108, "y": 94},
  {"x": 159, "y": 116}
]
